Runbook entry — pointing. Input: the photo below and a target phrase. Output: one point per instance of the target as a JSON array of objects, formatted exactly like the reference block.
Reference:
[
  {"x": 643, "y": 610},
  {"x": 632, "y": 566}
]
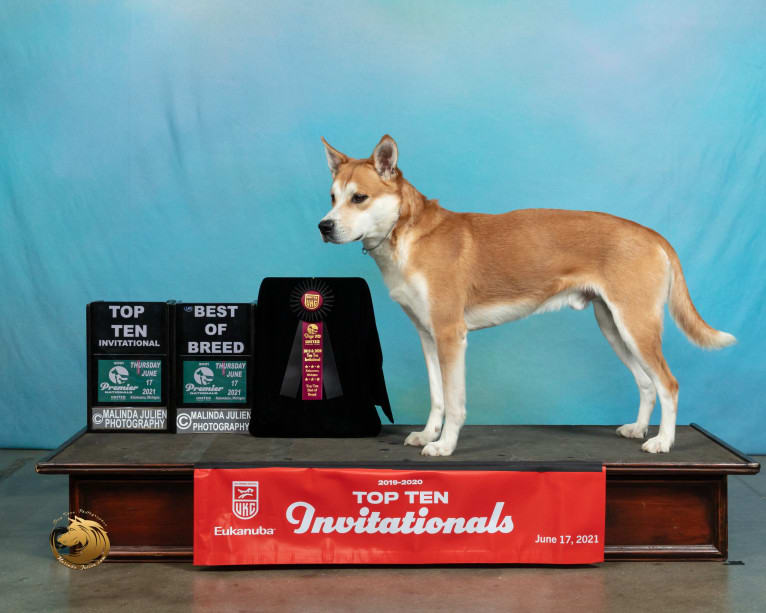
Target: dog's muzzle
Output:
[{"x": 326, "y": 227}]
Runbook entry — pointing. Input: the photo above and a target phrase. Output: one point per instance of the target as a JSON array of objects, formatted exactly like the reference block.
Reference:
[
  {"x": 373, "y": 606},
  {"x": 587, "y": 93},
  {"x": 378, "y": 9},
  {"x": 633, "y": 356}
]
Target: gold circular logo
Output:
[
  {"x": 312, "y": 329},
  {"x": 311, "y": 300},
  {"x": 78, "y": 541}
]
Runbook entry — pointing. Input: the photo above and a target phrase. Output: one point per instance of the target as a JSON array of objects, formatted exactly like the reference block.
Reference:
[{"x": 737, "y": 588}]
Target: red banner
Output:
[{"x": 372, "y": 516}]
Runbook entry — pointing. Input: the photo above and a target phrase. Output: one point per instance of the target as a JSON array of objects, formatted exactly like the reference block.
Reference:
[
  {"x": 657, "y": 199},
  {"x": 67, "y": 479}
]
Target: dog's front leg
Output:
[
  {"x": 433, "y": 426},
  {"x": 451, "y": 343}
]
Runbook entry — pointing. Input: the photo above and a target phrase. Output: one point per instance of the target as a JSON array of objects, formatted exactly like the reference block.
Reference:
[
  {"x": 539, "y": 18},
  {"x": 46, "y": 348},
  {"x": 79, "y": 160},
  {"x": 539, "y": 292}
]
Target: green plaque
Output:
[
  {"x": 214, "y": 381},
  {"x": 129, "y": 381}
]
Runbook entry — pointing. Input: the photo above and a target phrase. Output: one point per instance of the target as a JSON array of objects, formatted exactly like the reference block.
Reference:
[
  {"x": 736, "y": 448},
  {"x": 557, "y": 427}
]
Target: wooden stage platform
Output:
[{"x": 658, "y": 507}]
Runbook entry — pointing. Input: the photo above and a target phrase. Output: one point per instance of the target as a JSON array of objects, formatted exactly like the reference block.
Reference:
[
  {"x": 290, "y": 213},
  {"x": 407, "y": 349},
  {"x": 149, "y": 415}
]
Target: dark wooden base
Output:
[{"x": 668, "y": 507}]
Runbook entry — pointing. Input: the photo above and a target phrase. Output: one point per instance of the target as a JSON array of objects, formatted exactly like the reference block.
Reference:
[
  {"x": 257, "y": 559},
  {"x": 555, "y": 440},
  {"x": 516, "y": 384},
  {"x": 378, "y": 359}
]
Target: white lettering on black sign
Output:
[
  {"x": 211, "y": 311},
  {"x": 216, "y": 347},
  {"x": 215, "y": 310},
  {"x": 128, "y": 334}
]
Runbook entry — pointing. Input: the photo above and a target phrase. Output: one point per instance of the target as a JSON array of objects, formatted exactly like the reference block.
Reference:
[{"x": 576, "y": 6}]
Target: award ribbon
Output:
[
  {"x": 311, "y": 359},
  {"x": 311, "y": 366}
]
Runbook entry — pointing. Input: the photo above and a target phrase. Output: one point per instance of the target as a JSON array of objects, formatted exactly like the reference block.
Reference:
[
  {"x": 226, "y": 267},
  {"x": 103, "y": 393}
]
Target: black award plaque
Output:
[
  {"x": 129, "y": 369},
  {"x": 214, "y": 349}
]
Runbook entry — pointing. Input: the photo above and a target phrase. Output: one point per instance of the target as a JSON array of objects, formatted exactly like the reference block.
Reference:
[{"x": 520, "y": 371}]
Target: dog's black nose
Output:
[{"x": 326, "y": 226}]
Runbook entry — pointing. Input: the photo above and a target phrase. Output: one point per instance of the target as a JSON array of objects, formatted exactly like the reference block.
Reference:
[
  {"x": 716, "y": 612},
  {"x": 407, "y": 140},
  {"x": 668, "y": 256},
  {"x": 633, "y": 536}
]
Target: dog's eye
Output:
[
  {"x": 332, "y": 198},
  {"x": 358, "y": 198}
]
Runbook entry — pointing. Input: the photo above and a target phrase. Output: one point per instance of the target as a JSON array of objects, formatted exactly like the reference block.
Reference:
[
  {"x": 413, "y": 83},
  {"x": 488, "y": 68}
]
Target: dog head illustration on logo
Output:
[
  {"x": 203, "y": 375},
  {"x": 118, "y": 375},
  {"x": 244, "y": 499},
  {"x": 81, "y": 544}
]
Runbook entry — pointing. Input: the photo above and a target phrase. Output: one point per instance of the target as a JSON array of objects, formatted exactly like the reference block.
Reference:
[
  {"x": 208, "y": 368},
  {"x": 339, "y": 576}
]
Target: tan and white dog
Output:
[{"x": 498, "y": 268}]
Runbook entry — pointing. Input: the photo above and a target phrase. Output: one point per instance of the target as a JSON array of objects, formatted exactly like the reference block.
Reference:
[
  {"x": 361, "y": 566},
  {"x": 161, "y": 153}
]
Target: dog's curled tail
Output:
[{"x": 685, "y": 315}]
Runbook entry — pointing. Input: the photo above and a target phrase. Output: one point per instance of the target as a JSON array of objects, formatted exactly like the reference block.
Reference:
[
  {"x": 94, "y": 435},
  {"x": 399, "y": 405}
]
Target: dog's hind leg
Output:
[
  {"x": 433, "y": 426},
  {"x": 640, "y": 327},
  {"x": 451, "y": 342},
  {"x": 667, "y": 389},
  {"x": 646, "y": 390}
]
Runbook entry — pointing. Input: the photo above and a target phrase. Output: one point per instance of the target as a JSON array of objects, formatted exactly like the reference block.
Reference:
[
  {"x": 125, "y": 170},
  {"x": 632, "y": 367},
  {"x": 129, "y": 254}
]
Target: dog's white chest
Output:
[{"x": 409, "y": 290}]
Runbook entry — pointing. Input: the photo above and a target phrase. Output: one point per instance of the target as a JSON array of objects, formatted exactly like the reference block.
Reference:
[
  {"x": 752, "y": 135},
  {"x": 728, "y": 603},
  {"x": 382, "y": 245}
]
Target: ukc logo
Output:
[
  {"x": 244, "y": 499},
  {"x": 311, "y": 300}
]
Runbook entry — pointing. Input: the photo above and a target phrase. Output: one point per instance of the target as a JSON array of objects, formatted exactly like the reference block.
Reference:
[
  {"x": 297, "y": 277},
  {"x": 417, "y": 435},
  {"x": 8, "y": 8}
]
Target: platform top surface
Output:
[{"x": 492, "y": 445}]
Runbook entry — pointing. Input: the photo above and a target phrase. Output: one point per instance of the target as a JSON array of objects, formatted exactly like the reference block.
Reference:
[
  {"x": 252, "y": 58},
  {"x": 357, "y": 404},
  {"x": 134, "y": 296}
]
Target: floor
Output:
[{"x": 31, "y": 580}]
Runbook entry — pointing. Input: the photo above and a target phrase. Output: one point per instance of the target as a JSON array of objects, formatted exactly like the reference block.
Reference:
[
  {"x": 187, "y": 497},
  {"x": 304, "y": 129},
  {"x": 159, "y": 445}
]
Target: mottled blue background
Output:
[{"x": 155, "y": 150}]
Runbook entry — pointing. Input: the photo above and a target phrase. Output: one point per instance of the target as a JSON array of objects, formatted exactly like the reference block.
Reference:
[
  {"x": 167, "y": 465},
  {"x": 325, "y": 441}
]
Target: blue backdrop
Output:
[{"x": 156, "y": 150}]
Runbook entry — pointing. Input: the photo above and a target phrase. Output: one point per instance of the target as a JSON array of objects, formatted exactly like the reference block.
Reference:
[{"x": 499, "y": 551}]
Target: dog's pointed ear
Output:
[
  {"x": 385, "y": 156},
  {"x": 334, "y": 157}
]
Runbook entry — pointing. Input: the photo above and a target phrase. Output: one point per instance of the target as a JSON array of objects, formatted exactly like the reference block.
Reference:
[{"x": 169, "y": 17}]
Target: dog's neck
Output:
[{"x": 412, "y": 208}]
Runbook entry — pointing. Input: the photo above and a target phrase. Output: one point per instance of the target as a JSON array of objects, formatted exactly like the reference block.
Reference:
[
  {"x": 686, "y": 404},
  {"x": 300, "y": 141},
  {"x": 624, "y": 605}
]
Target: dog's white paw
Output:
[
  {"x": 438, "y": 448},
  {"x": 632, "y": 431},
  {"x": 418, "y": 439},
  {"x": 657, "y": 444}
]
